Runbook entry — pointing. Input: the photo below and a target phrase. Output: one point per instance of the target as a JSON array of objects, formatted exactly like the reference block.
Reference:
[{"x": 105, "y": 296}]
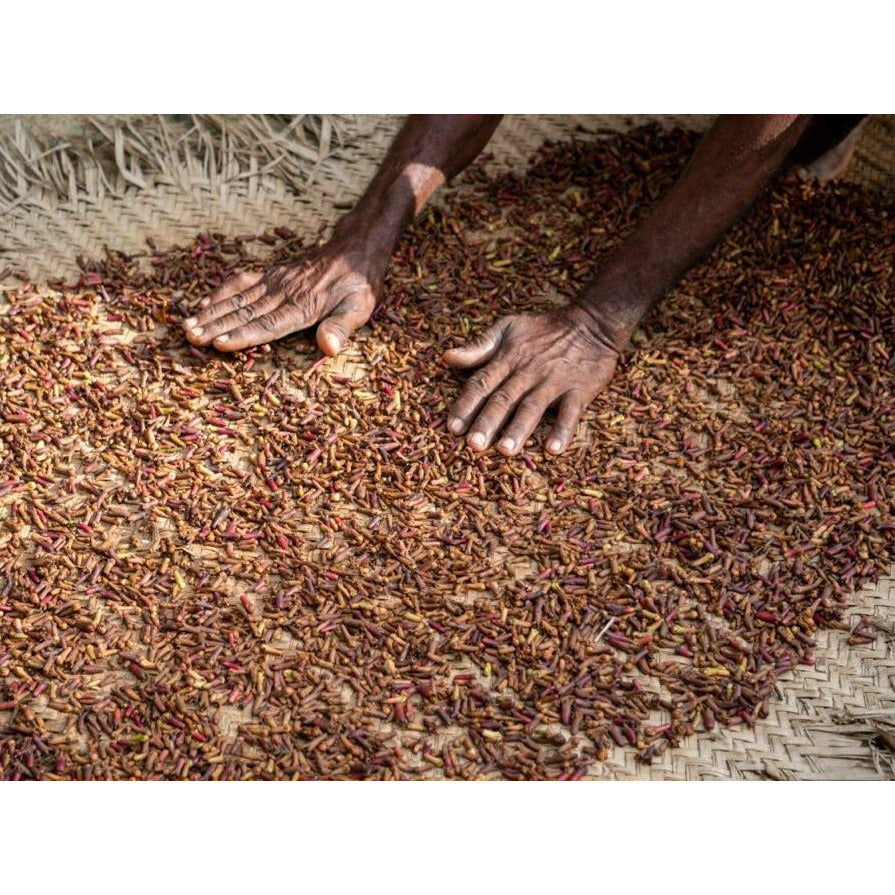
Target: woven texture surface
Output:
[
  {"x": 42, "y": 233},
  {"x": 805, "y": 736}
]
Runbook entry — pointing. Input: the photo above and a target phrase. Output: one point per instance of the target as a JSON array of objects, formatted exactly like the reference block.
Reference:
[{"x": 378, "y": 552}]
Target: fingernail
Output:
[
  {"x": 507, "y": 444},
  {"x": 477, "y": 440},
  {"x": 329, "y": 343},
  {"x": 198, "y": 330},
  {"x": 220, "y": 340},
  {"x": 191, "y": 321},
  {"x": 456, "y": 425},
  {"x": 554, "y": 446},
  {"x": 205, "y": 303}
]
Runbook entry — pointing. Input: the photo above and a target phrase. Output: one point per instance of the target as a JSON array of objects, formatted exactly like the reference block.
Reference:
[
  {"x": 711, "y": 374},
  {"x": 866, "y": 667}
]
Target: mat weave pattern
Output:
[
  {"x": 42, "y": 232},
  {"x": 820, "y": 727},
  {"x": 804, "y": 736}
]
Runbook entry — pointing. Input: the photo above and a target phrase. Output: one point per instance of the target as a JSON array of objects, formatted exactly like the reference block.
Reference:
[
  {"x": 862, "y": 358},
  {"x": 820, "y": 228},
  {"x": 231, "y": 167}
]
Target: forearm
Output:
[
  {"x": 732, "y": 163},
  {"x": 428, "y": 150}
]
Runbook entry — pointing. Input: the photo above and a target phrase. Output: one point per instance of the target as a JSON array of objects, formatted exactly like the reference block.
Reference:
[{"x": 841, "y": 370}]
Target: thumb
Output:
[
  {"x": 350, "y": 314},
  {"x": 478, "y": 350}
]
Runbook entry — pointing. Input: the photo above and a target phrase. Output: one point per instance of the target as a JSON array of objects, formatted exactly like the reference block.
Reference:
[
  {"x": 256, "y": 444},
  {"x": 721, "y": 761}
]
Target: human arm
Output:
[
  {"x": 565, "y": 357},
  {"x": 336, "y": 285}
]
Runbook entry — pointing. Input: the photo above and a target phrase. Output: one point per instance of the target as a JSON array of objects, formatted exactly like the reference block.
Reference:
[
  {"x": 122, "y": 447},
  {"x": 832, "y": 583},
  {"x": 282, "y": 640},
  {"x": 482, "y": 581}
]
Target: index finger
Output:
[
  {"x": 477, "y": 390},
  {"x": 239, "y": 282}
]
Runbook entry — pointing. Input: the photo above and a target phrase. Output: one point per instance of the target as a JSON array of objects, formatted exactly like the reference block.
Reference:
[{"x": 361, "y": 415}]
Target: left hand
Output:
[
  {"x": 333, "y": 286},
  {"x": 531, "y": 362}
]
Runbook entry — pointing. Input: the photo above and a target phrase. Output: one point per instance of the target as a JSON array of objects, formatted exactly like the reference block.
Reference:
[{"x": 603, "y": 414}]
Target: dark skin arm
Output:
[
  {"x": 565, "y": 357},
  {"x": 336, "y": 286},
  {"x": 561, "y": 358}
]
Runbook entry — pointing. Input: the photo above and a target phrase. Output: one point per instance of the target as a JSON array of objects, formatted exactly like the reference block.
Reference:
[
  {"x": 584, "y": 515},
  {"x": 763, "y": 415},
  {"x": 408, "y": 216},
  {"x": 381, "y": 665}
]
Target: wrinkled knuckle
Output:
[
  {"x": 243, "y": 314},
  {"x": 234, "y": 303},
  {"x": 466, "y": 400},
  {"x": 478, "y": 382},
  {"x": 240, "y": 298},
  {"x": 529, "y": 407},
  {"x": 502, "y": 397}
]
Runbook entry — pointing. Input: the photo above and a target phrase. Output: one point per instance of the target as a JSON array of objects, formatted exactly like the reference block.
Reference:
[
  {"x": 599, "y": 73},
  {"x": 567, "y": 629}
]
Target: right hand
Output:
[
  {"x": 333, "y": 286},
  {"x": 529, "y": 362}
]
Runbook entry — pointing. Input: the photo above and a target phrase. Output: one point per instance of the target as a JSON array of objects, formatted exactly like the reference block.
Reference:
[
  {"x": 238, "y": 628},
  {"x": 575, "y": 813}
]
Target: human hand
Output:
[
  {"x": 531, "y": 363},
  {"x": 333, "y": 286}
]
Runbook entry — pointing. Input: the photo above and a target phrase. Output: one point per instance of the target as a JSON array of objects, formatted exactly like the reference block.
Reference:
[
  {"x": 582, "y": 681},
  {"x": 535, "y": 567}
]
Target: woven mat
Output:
[
  {"x": 805, "y": 735},
  {"x": 43, "y": 231},
  {"x": 816, "y": 730}
]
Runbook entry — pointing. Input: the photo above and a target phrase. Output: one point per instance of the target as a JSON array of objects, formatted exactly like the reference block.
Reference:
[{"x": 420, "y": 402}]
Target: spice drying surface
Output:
[{"x": 274, "y": 565}]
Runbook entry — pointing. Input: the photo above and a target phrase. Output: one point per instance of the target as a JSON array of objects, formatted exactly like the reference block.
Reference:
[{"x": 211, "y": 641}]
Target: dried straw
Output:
[{"x": 102, "y": 156}]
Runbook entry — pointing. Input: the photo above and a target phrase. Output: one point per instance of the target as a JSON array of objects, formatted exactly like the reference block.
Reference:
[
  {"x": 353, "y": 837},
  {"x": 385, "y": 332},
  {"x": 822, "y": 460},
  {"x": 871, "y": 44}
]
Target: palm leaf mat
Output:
[
  {"x": 71, "y": 186},
  {"x": 136, "y": 652}
]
